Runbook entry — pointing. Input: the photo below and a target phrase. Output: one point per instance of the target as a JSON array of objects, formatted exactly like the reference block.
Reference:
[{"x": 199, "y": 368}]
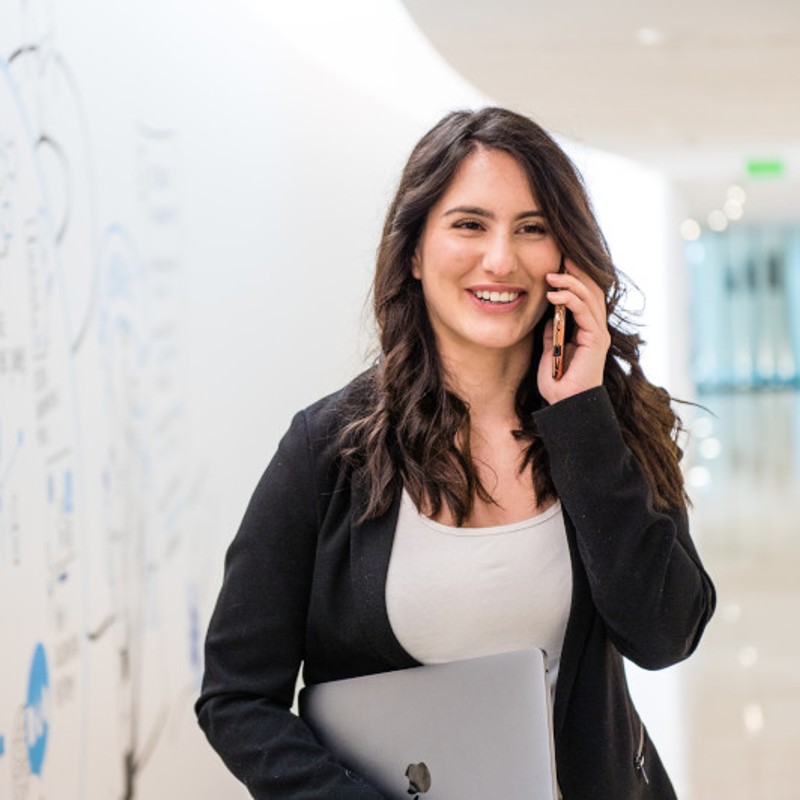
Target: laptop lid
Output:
[{"x": 480, "y": 728}]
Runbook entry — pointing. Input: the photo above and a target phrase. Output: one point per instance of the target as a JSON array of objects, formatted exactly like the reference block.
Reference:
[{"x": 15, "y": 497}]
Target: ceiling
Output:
[{"x": 697, "y": 88}]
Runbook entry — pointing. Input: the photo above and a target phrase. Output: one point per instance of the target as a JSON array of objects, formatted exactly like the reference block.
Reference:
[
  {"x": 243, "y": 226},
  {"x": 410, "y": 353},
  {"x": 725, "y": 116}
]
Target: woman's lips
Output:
[{"x": 496, "y": 299}]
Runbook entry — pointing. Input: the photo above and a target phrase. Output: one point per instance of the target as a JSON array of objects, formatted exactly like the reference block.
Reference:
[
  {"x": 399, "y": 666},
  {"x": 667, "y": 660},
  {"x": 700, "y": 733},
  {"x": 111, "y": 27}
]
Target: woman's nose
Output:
[{"x": 500, "y": 258}]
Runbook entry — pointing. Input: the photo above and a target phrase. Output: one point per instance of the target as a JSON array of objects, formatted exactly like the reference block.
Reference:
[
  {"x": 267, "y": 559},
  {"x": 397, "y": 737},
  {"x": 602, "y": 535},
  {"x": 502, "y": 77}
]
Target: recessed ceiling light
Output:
[
  {"x": 649, "y": 36},
  {"x": 753, "y": 718},
  {"x": 748, "y": 656},
  {"x": 732, "y": 612}
]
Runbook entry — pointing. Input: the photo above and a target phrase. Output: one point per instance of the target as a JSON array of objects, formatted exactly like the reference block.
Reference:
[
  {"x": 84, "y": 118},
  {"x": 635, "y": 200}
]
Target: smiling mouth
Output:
[{"x": 496, "y": 297}]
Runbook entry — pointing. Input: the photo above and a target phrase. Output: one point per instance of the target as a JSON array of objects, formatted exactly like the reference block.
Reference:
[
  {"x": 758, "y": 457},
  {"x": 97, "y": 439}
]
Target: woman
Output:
[{"x": 357, "y": 553}]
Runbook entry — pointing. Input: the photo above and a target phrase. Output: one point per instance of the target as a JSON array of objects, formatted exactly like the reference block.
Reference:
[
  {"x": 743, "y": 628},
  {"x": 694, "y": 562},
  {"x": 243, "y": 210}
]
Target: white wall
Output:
[{"x": 190, "y": 197}]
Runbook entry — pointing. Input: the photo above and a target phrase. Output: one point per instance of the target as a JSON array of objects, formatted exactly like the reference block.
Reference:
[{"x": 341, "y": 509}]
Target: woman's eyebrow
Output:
[{"x": 482, "y": 212}]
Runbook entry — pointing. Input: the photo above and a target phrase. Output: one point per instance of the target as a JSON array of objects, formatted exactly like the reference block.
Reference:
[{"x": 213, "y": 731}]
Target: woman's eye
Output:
[
  {"x": 468, "y": 225},
  {"x": 535, "y": 228}
]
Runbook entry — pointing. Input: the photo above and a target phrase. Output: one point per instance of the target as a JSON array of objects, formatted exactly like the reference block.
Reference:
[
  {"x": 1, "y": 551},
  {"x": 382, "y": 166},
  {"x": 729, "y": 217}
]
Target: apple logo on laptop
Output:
[{"x": 419, "y": 778}]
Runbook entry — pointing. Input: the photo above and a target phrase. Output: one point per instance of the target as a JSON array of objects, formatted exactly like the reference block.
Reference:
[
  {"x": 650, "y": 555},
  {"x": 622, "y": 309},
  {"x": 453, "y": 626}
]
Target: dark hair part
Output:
[{"x": 407, "y": 428}]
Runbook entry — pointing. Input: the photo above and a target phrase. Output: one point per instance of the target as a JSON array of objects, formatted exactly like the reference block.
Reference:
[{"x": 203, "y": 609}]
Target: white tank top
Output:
[{"x": 454, "y": 593}]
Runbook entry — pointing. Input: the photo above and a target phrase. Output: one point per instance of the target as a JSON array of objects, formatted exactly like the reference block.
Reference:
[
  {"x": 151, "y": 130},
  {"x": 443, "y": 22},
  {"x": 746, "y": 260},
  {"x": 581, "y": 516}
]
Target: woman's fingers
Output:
[
  {"x": 586, "y": 353},
  {"x": 576, "y": 290}
]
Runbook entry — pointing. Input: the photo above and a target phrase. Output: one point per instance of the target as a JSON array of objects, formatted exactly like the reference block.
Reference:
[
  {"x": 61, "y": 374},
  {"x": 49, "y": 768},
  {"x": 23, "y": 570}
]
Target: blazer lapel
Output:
[
  {"x": 576, "y": 633},
  {"x": 371, "y": 549}
]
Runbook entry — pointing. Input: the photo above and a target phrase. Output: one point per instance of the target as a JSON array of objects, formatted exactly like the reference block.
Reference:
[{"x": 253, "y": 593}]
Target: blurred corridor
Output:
[
  {"x": 742, "y": 687},
  {"x": 699, "y": 92}
]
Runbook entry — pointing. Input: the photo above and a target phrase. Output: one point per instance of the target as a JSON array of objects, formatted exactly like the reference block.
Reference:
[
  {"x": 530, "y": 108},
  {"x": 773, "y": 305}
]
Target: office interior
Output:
[{"x": 190, "y": 198}]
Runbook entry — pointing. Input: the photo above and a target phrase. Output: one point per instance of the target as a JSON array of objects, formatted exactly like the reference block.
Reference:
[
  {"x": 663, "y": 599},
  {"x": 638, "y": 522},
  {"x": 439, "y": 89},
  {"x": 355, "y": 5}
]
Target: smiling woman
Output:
[
  {"x": 483, "y": 260},
  {"x": 458, "y": 499}
]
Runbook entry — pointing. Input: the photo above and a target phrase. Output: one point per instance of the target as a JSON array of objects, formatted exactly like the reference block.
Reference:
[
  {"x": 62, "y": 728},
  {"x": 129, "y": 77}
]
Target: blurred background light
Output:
[
  {"x": 736, "y": 192},
  {"x": 717, "y": 221},
  {"x": 753, "y": 716},
  {"x": 648, "y": 37},
  {"x": 733, "y": 209},
  {"x": 690, "y": 230}
]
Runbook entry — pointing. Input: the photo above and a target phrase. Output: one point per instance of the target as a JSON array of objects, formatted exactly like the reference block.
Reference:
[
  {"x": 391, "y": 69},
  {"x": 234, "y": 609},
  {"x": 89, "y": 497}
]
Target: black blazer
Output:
[{"x": 305, "y": 584}]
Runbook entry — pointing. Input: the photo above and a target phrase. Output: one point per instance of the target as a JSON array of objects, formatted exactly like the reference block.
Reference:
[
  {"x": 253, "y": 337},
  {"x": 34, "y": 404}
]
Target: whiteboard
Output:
[{"x": 190, "y": 199}]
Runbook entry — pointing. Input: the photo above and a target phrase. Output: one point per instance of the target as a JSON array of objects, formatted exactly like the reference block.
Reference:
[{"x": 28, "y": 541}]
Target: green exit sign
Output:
[{"x": 765, "y": 168}]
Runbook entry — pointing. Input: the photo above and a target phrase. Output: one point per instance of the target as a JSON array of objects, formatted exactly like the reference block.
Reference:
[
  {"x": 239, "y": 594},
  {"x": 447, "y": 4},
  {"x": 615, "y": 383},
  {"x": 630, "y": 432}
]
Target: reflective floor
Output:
[{"x": 728, "y": 720}]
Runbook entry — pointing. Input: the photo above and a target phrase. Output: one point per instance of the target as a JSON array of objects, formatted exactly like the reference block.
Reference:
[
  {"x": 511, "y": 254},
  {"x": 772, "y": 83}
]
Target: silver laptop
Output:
[{"x": 480, "y": 728}]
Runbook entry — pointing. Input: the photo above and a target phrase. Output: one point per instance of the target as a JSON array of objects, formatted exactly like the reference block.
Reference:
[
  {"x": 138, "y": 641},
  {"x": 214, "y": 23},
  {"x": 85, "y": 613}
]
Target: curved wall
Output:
[{"x": 190, "y": 195}]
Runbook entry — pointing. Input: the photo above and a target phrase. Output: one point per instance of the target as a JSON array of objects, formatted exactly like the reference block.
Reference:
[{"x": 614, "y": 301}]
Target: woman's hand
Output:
[{"x": 585, "y": 354}]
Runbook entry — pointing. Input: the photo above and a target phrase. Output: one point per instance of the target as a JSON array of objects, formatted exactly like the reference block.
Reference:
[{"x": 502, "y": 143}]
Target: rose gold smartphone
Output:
[{"x": 559, "y": 330}]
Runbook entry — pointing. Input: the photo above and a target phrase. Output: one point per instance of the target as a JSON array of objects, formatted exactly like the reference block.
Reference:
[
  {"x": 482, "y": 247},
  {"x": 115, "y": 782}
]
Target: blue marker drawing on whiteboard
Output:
[
  {"x": 69, "y": 505},
  {"x": 2, "y": 745},
  {"x": 7, "y": 467},
  {"x": 195, "y": 636},
  {"x": 37, "y": 711},
  {"x": 8, "y": 521}
]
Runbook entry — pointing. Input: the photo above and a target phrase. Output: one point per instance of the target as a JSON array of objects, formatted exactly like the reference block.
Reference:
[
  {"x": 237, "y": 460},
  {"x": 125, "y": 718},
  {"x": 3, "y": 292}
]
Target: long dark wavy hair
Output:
[{"x": 407, "y": 428}]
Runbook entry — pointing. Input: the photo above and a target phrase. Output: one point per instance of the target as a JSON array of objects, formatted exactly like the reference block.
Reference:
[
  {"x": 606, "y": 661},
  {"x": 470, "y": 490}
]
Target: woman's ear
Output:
[{"x": 415, "y": 270}]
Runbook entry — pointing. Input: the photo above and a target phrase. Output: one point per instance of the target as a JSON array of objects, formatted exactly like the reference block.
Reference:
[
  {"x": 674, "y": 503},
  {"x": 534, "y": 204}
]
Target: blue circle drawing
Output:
[{"x": 37, "y": 710}]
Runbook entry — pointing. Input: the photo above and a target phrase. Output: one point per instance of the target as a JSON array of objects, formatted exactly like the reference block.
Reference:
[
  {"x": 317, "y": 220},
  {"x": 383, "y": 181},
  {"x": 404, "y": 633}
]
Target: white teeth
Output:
[{"x": 496, "y": 297}]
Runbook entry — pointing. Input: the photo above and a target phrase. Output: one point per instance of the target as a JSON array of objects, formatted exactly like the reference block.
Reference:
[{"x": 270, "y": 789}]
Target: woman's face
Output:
[{"x": 483, "y": 257}]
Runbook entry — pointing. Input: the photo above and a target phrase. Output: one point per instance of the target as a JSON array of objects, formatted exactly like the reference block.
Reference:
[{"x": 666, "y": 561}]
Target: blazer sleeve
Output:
[
  {"x": 644, "y": 573},
  {"x": 255, "y": 640}
]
